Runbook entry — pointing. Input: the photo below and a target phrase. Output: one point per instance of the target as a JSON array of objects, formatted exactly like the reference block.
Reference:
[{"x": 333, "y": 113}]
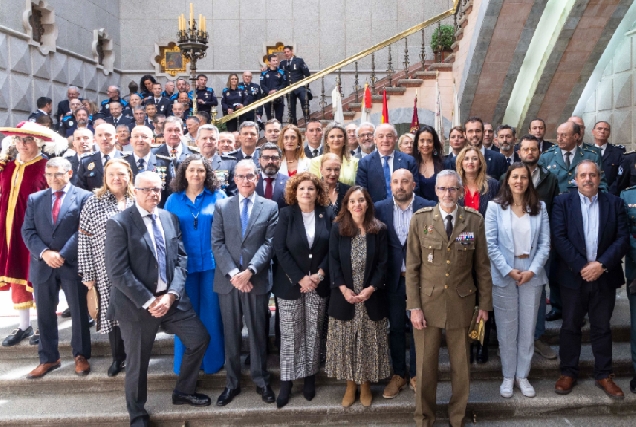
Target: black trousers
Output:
[
  {"x": 397, "y": 328},
  {"x": 275, "y": 110},
  {"x": 599, "y": 301},
  {"x": 139, "y": 337},
  {"x": 116, "y": 344},
  {"x": 47, "y": 296},
  {"x": 555, "y": 288},
  {"x": 298, "y": 94}
]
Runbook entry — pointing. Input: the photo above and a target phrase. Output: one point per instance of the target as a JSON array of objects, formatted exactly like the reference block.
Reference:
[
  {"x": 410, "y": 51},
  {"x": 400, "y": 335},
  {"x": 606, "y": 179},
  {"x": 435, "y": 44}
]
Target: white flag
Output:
[
  {"x": 439, "y": 125},
  {"x": 336, "y": 106},
  {"x": 456, "y": 118}
]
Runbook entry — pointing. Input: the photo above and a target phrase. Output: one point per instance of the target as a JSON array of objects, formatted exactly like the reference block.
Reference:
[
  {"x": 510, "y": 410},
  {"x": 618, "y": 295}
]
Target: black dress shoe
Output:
[
  {"x": 248, "y": 360},
  {"x": 91, "y": 322},
  {"x": 16, "y": 336},
  {"x": 309, "y": 387},
  {"x": 35, "y": 338},
  {"x": 116, "y": 368},
  {"x": 196, "y": 399},
  {"x": 227, "y": 396},
  {"x": 283, "y": 394},
  {"x": 482, "y": 353},
  {"x": 553, "y": 315},
  {"x": 267, "y": 393},
  {"x": 632, "y": 385},
  {"x": 66, "y": 313}
]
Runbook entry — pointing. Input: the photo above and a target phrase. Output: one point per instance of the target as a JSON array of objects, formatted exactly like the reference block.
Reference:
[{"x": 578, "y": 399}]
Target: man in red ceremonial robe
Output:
[{"x": 22, "y": 167}]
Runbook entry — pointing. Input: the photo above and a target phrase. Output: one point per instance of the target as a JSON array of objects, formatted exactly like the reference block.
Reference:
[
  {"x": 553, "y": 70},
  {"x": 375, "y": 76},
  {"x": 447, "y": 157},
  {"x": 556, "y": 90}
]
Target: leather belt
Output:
[{"x": 524, "y": 256}]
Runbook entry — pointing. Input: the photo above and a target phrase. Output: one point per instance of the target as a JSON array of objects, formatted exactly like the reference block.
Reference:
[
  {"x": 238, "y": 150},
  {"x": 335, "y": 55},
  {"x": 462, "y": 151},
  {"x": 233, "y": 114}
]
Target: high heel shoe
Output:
[
  {"x": 283, "y": 394},
  {"x": 309, "y": 387}
]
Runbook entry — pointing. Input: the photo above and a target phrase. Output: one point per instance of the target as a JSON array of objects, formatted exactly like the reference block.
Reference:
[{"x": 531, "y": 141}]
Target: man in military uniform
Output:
[
  {"x": 296, "y": 70},
  {"x": 45, "y": 106},
  {"x": 561, "y": 160},
  {"x": 113, "y": 95},
  {"x": 90, "y": 174},
  {"x": 205, "y": 95},
  {"x": 611, "y": 154},
  {"x": 253, "y": 93},
  {"x": 142, "y": 159},
  {"x": 446, "y": 252},
  {"x": 161, "y": 102},
  {"x": 272, "y": 80},
  {"x": 222, "y": 164},
  {"x": 629, "y": 198}
]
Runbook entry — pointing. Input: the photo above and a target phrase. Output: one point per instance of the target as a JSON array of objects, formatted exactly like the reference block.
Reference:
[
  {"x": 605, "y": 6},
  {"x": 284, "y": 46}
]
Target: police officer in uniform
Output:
[
  {"x": 162, "y": 103},
  {"x": 181, "y": 87},
  {"x": 629, "y": 198},
  {"x": 232, "y": 99},
  {"x": 611, "y": 154},
  {"x": 45, "y": 107},
  {"x": 205, "y": 95},
  {"x": 90, "y": 174},
  {"x": 272, "y": 80},
  {"x": 69, "y": 120},
  {"x": 253, "y": 93},
  {"x": 296, "y": 70},
  {"x": 81, "y": 119},
  {"x": 114, "y": 94}
]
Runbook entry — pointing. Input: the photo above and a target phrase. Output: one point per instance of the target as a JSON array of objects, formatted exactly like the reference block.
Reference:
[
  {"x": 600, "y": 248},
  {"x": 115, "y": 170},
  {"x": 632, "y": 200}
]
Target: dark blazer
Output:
[
  {"x": 131, "y": 263},
  {"x": 612, "y": 159},
  {"x": 280, "y": 183},
  {"x": 238, "y": 155},
  {"x": 515, "y": 158},
  {"x": 493, "y": 190},
  {"x": 74, "y": 160},
  {"x": 164, "y": 106},
  {"x": 295, "y": 259},
  {"x": 397, "y": 251},
  {"x": 123, "y": 120},
  {"x": 163, "y": 150},
  {"x": 496, "y": 164},
  {"x": 340, "y": 273},
  {"x": 342, "y": 190},
  {"x": 544, "y": 147},
  {"x": 309, "y": 154},
  {"x": 569, "y": 241},
  {"x": 39, "y": 232},
  {"x": 90, "y": 174},
  {"x": 371, "y": 176},
  {"x": 162, "y": 165}
]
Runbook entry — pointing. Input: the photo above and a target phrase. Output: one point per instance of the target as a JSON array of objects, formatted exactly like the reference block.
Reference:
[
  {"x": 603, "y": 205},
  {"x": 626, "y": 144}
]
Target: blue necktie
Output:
[
  {"x": 141, "y": 165},
  {"x": 160, "y": 247},
  {"x": 244, "y": 216},
  {"x": 387, "y": 176}
]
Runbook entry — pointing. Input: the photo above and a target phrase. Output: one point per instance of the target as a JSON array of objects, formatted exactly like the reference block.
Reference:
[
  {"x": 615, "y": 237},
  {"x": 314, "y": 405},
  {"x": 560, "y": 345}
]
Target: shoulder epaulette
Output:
[
  {"x": 619, "y": 146},
  {"x": 471, "y": 210},
  {"x": 627, "y": 153},
  {"x": 193, "y": 148},
  {"x": 425, "y": 209},
  {"x": 551, "y": 149},
  {"x": 225, "y": 89},
  {"x": 125, "y": 153},
  {"x": 161, "y": 156},
  {"x": 633, "y": 187},
  {"x": 227, "y": 157}
]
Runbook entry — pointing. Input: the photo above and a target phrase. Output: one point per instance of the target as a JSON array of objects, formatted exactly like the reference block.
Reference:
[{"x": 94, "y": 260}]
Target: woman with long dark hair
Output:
[
  {"x": 427, "y": 151},
  {"x": 357, "y": 344},
  {"x": 145, "y": 86},
  {"x": 196, "y": 190},
  {"x": 518, "y": 237}
]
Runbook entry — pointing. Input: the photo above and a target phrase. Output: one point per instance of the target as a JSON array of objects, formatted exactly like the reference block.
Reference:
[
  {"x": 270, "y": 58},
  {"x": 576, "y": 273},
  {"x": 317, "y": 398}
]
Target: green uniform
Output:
[{"x": 552, "y": 160}]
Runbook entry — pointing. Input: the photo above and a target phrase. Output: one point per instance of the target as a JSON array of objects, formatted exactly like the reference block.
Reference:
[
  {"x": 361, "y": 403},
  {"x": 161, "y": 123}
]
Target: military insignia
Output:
[
  {"x": 429, "y": 230},
  {"x": 162, "y": 171},
  {"x": 107, "y": 106},
  {"x": 430, "y": 257},
  {"x": 91, "y": 166},
  {"x": 631, "y": 205},
  {"x": 222, "y": 176}
]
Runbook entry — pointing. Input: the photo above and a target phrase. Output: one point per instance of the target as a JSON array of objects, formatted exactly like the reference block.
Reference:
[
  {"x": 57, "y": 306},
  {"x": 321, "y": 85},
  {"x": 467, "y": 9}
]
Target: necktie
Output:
[
  {"x": 174, "y": 153},
  {"x": 160, "y": 247},
  {"x": 106, "y": 158},
  {"x": 449, "y": 225},
  {"x": 245, "y": 216},
  {"x": 57, "y": 204},
  {"x": 315, "y": 152},
  {"x": 248, "y": 156},
  {"x": 141, "y": 164},
  {"x": 115, "y": 121},
  {"x": 567, "y": 159},
  {"x": 387, "y": 175},
  {"x": 269, "y": 188},
  {"x": 509, "y": 160}
]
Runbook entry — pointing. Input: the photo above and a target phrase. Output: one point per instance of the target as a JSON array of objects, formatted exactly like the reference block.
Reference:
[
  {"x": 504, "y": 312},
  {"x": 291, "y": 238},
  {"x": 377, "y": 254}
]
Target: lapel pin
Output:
[{"x": 320, "y": 216}]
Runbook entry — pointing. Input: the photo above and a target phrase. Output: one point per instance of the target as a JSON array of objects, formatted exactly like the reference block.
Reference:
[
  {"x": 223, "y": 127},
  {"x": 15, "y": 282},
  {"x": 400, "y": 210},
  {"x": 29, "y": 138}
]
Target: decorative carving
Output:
[
  {"x": 171, "y": 61},
  {"x": 277, "y": 48},
  {"x": 39, "y": 24},
  {"x": 102, "y": 48}
]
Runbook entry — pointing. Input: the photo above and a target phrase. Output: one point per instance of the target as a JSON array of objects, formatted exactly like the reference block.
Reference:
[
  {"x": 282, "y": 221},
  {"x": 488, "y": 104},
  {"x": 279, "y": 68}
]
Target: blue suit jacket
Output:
[
  {"x": 397, "y": 250},
  {"x": 39, "y": 232},
  {"x": 569, "y": 241},
  {"x": 371, "y": 175},
  {"x": 501, "y": 247}
]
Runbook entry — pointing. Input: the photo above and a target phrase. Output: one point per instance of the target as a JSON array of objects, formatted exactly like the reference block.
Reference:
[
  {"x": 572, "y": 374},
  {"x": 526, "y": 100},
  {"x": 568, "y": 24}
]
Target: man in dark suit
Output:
[
  {"x": 271, "y": 184},
  {"x": 117, "y": 117},
  {"x": 45, "y": 107},
  {"x": 375, "y": 169},
  {"x": 174, "y": 147},
  {"x": 146, "y": 264},
  {"x": 161, "y": 102},
  {"x": 50, "y": 233},
  {"x": 496, "y": 164},
  {"x": 396, "y": 213},
  {"x": 248, "y": 137},
  {"x": 142, "y": 159},
  {"x": 611, "y": 154},
  {"x": 222, "y": 164},
  {"x": 537, "y": 129},
  {"x": 507, "y": 137},
  {"x": 590, "y": 233},
  {"x": 90, "y": 174},
  {"x": 313, "y": 139},
  {"x": 242, "y": 234}
]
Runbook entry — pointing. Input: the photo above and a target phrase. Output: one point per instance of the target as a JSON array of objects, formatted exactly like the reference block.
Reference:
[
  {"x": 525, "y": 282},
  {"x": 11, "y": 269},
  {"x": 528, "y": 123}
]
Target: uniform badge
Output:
[
  {"x": 430, "y": 257},
  {"x": 107, "y": 106},
  {"x": 430, "y": 229},
  {"x": 620, "y": 170},
  {"x": 70, "y": 122},
  {"x": 222, "y": 177},
  {"x": 91, "y": 166}
]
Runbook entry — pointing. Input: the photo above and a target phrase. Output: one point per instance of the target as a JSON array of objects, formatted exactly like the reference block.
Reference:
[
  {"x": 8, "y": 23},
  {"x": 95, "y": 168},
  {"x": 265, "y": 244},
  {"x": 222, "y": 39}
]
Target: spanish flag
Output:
[{"x": 385, "y": 109}]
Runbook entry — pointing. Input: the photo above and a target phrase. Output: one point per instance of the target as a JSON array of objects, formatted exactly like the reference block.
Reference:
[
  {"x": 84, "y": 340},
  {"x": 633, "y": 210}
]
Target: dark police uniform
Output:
[
  {"x": 34, "y": 116},
  {"x": 90, "y": 174},
  {"x": 176, "y": 95},
  {"x": 105, "y": 108},
  {"x": 626, "y": 174},
  {"x": 253, "y": 93},
  {"x": 63, "y": 107},
  {"x": 229, "y": 99},
  {"x": 296, "y": 70},
  {"x": 209, "y": 99},
  {"x": 160, "y": 164},
  {"x": 163, "y": 104},
  {"x": 612, "y": 159},
  {"x": 274, "y": 80},
  {"x": 122, "y": 120}
]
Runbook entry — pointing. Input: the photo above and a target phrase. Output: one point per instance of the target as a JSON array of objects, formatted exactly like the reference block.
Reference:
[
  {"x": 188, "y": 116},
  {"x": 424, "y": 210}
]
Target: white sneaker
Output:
[
  {"x": 505, "y": 389},
  {"x": 526, "y": 389}
]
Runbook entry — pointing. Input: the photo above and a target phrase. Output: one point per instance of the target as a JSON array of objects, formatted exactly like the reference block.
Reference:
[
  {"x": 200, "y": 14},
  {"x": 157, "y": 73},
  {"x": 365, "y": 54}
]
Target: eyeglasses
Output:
[
  {"x": 248, "y": 177},
  {"x": 365, "y": 135},
  {"x": 55, "y": 175},
  {"x": 149, "y": 190},
  {"x": 445, "y": 189},
  {"x": 270, "y": 158},
  {"x": 530, "y": 150}
]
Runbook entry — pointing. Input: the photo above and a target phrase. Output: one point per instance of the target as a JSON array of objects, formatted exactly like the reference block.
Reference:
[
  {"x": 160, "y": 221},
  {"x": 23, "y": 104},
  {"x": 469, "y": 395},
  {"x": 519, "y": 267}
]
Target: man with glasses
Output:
[
  {"x": 271, "y": 183},
  {"x": 242, "y": 234},
  {"x": 223, "y": 165},
  {"x": 364, "y": 135},
  {"x": 447, "y": 252}
]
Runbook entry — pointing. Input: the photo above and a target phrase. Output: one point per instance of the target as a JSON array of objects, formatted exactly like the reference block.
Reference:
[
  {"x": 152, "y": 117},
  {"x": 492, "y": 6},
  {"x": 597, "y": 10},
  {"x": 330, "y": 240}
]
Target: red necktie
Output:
[
  {"x": 56, "y": 205},
  {"x": 269, "y": 188}
]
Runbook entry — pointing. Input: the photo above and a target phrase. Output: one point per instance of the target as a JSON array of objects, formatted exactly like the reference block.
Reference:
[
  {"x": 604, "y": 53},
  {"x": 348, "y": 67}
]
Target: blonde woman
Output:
[
  {"x": 405, "y": 143},
  {"x": 290, "y": 144},
  {"x": 334, "y": 140}
]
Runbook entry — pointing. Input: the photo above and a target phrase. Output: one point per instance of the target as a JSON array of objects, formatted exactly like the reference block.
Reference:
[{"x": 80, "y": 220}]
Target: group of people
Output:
[{"x": 355, "y": 232}]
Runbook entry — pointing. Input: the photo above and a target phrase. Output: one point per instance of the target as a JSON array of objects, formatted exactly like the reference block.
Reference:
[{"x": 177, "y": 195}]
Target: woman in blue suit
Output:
[
  {"x": 196, "y": 190},
  {"x": 518, "y": 237}
]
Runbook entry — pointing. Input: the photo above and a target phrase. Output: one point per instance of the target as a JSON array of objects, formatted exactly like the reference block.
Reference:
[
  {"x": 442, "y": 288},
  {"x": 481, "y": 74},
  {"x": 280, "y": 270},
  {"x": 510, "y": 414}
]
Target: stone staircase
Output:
[{"x": 63, "y": 399}]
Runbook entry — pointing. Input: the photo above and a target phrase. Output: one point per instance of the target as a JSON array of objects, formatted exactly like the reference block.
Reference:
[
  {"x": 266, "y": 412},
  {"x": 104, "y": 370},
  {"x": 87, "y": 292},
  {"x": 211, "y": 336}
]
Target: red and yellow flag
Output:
[{"x": 385, "y": 109}]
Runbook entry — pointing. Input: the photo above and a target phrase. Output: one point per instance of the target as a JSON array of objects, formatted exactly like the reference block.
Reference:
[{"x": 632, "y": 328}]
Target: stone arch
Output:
[
  {"x": 102, "y": 48},
  {"x": 40, "y": 14}
]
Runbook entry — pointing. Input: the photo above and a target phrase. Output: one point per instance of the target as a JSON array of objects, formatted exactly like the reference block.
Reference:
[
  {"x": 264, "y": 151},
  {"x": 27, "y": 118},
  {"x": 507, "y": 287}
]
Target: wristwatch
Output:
[
  {"x": 321, "y": 277},
  {"x": 603, "y": 267},
  {"x": 252, "y": 270}
]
